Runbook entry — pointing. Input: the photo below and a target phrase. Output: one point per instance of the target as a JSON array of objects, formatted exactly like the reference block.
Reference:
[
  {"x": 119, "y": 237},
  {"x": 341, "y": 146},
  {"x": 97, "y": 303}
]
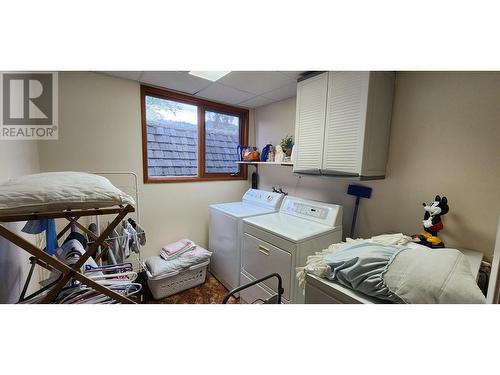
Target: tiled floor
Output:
[{"x": 211, "y": 292}]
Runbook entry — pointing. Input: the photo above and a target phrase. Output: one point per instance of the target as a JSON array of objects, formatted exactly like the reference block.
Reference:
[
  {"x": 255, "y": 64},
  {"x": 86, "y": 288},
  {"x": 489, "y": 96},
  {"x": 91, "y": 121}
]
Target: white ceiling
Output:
[{"x": 245, "y": 89}]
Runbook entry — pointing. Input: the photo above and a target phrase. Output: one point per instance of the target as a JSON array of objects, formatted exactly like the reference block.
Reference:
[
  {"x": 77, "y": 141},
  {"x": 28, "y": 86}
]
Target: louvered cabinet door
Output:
[
  {"x": 345, "y": 122},
  {"x": 310, "y": 123}
]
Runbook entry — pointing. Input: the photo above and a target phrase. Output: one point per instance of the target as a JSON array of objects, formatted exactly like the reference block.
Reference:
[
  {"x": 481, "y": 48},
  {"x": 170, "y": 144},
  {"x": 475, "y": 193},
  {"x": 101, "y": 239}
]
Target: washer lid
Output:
[
  {"x": 241, "y": 209},
  {"x": 289, "y": 227}
]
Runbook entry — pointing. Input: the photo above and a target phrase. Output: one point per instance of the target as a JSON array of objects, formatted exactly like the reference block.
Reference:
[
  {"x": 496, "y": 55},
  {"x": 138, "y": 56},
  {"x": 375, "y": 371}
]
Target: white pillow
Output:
[
  {"x": 432, "y": 276},
  {"x": 57, "y": 191}
]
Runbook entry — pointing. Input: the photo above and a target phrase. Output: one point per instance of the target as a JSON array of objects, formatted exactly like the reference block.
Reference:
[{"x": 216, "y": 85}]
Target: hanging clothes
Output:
[
  {"x": 124, "y": 240},
  {"x": 134, "y": 239},
  {"x": 93, "y": 229},
  {"x": 69, "y": 253},
  {"x": 74, "y": 235},
  {"x": 114, "y": 246},
  {"x": 141, "y": 234},
  {"x": 44, "y": 225}
]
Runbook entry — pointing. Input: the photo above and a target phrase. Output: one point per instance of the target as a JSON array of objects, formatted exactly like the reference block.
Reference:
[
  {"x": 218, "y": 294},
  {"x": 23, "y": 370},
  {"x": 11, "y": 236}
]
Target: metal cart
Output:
[{"x": 272, "y": 300}]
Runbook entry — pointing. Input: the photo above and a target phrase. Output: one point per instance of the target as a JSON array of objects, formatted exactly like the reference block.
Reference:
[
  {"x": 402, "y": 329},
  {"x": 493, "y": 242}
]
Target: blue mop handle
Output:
[
  {"x": 354, "y": 215},
  {"x": 359, "y": 192}
]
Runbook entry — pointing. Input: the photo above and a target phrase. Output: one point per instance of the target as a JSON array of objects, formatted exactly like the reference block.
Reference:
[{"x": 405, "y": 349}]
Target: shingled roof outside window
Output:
[
  {"x": 178, "y": 127},
  {"x": 173, "y": 149}
]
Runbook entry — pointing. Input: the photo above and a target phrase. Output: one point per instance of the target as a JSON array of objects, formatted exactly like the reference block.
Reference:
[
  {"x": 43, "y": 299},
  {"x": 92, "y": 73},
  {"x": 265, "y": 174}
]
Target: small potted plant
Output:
[{"x": 287, "y": 145}]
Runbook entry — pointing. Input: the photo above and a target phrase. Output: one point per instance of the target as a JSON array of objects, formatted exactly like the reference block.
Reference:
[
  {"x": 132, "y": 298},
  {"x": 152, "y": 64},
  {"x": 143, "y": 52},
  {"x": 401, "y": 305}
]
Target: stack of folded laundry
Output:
[
  {"x": 174, "y": 250},
  {"x": 177, "y": 256}
]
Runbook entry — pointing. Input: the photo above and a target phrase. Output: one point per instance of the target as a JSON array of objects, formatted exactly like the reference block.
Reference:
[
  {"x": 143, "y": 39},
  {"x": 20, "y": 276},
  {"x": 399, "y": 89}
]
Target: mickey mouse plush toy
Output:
[{"x": 432, "y": 222}]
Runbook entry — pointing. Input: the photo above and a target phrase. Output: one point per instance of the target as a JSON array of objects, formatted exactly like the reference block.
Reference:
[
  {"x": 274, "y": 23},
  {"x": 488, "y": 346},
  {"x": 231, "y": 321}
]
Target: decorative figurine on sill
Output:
[
  {"x": 279, "y": 156},
  {"x": 250, "y": 154},
  {"x": 432, "y": 223},
  {"x": 266, "y": 150},
  {"x": 271, "y": 155}
]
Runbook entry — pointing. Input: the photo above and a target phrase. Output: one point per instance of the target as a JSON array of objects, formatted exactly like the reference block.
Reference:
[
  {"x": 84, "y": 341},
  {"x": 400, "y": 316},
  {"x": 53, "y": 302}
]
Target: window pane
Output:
[
  {"x": 172, "y": 138},
  {"x": 222, "y": 136}
]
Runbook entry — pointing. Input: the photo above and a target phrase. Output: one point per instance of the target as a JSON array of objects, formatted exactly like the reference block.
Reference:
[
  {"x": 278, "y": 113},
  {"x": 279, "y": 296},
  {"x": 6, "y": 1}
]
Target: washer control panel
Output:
[
  {"x": 310, "y": 210},
  {"x": 325, "y": 213},
  {"x": 263, "y": 198}
]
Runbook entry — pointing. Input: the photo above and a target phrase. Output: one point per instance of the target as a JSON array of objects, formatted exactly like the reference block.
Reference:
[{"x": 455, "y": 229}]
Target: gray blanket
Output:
[
  {"x": 361, "y": 267},
  {"x": 404, "y": 273}
]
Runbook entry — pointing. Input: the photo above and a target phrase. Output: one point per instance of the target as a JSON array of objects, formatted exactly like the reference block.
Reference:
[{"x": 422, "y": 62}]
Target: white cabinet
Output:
[
  {"x": 343, "y": 124},
  {"x": 311, "y": 112}
]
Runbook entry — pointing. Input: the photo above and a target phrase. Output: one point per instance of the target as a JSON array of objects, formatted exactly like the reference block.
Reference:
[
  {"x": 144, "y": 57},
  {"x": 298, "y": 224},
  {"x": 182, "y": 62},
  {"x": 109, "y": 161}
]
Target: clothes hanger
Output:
[
  {"x": 114, "y": 267},
  {"x": 75, "y": 295},
  {"x": 114, "y": 277},
  {"x": 129, "y": 289}
]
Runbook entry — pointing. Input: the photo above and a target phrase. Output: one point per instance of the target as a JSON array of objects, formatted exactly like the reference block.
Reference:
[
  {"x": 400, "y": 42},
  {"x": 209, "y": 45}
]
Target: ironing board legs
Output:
[
  {"x": 90, "y": 252},
  {"x": 36, "y": 252},
  {"x": 67, "y": 271},
  {"x": 34, "y": 261}
]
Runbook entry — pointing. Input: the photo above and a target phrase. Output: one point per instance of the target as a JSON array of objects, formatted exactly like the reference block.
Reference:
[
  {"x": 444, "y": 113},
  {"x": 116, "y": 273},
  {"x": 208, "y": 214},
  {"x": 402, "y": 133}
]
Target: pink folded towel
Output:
[{"x": 175, "y": 247}]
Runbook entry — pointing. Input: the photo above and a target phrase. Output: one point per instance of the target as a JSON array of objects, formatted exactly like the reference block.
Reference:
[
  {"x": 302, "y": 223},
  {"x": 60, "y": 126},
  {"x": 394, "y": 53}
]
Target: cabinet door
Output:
[
  {"x": 345, "y": 122},
  {"x": 310, "y": 123}
]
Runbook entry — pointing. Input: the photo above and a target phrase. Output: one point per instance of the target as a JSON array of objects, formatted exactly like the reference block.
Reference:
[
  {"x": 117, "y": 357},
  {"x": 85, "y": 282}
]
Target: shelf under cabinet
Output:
[{"x": 283, "y": 163}]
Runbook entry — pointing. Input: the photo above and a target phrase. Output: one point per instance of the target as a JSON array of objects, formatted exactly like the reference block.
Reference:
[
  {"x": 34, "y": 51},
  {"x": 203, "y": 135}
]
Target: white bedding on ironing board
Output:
[{"x": 58, "y": 191}]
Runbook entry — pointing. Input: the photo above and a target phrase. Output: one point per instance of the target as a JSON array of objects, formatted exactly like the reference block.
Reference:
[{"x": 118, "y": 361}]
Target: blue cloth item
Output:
[
  {"x": 44, "y": 225},
  {"x": 361, "y": 266}
]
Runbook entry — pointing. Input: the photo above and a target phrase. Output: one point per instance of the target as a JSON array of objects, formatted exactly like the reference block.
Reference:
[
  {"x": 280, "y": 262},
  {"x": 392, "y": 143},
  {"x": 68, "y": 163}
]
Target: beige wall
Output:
[
  {"x": 16, "y": 158},
  {"x": 445, "y": 139},
  {"x": 100, "y": 130}
]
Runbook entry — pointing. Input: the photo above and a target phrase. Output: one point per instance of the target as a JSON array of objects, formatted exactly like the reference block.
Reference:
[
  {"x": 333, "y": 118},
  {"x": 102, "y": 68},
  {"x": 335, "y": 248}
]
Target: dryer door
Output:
[
  {"x": 224, "y": 242},
  {"x": 260, "y": 259}
]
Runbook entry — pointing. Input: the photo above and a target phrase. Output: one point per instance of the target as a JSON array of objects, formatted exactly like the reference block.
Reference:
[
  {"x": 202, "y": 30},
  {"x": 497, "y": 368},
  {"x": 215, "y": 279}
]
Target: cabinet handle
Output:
[{"x": 264, "y": 250}]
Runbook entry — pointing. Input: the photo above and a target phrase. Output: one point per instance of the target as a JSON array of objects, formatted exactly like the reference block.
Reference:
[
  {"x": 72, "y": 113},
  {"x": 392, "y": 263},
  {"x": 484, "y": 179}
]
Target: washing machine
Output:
[
  {"x": 279, "y": 242},
  {"x": 225, "y": 230}
]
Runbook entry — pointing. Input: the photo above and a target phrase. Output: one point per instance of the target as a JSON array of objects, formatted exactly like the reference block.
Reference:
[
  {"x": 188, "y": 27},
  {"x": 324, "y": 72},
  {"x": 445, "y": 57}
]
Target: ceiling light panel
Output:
[{"x": 211, "y": 75}]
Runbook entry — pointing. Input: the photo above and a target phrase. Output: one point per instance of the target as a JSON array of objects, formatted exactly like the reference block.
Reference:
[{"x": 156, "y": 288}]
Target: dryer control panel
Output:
[
  {"x": 324, "y": 213},
  {"x": 263, "y": 198}
]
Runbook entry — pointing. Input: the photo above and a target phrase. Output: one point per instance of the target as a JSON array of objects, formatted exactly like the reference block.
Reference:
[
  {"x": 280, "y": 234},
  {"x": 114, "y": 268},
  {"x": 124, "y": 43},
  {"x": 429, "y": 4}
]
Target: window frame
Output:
[{"x": 203, "y": 106}]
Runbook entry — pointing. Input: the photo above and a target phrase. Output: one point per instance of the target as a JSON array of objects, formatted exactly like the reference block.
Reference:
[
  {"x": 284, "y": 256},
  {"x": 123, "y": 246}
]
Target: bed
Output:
[
  {"x": 391, "y": 269},
  {"x": 63, "y": 195}
]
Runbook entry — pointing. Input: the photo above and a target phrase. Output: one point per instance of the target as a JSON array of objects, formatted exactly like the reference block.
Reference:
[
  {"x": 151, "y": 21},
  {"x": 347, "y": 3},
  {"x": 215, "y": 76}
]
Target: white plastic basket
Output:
[{"x": 175, "y": 282}]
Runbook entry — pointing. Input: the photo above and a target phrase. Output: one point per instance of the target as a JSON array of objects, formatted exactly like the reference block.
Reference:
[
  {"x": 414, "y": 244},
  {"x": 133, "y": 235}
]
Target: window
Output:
[{"x": 190, "y": 139}]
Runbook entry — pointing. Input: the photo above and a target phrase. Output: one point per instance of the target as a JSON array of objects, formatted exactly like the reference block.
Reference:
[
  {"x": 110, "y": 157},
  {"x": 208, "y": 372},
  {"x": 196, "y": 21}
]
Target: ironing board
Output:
[{"x": 69, "y": 272}]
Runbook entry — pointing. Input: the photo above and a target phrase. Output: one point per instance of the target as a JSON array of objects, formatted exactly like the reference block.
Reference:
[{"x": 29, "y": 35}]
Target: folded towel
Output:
[
  {"x": 177, "y": 246},
  {"x": 186, "y": 249}
]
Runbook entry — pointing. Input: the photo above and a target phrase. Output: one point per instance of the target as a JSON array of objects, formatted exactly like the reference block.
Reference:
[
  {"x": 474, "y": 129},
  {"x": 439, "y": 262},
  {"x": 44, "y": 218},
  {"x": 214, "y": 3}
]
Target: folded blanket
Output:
[{"x": 158, "y": 266}]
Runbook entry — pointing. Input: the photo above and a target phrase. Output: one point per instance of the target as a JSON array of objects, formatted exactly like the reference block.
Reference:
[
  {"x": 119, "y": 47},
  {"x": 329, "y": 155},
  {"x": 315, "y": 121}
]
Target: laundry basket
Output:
[{"x": 174, "y": 282}]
